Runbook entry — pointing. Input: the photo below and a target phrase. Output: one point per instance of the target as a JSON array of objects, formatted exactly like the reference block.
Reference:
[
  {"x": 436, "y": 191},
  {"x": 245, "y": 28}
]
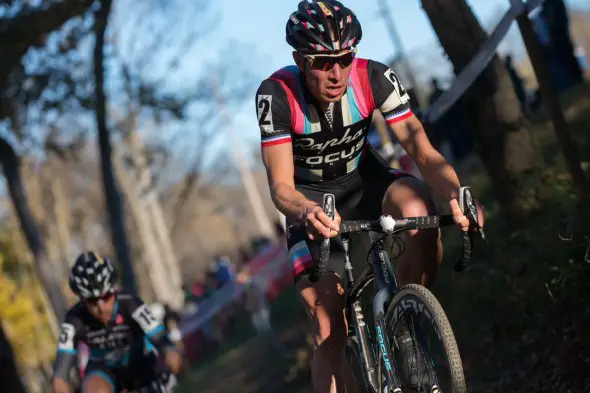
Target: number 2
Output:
[
  {"x": 393, "y": 78},
  {"x": 265, "y": 111}
]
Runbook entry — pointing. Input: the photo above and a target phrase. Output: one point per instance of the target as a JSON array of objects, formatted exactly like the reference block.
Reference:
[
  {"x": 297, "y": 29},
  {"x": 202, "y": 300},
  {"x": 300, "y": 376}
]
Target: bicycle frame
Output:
[{"x": 381, "y": 271}]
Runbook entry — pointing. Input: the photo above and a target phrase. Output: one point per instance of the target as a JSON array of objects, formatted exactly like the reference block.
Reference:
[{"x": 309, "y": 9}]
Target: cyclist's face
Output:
[
  {"x": 101, "y": 307},
  {"x": 326, "y": 75}
]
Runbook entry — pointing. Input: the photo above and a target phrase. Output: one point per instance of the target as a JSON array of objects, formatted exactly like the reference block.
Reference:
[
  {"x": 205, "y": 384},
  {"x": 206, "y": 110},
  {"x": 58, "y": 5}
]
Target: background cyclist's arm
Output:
[
  {"x": 156, "y": 334},
  {"x": 66, "y": 355},
  {"x": 274, "y": 119},
  {"x": 394, "y": 103}
]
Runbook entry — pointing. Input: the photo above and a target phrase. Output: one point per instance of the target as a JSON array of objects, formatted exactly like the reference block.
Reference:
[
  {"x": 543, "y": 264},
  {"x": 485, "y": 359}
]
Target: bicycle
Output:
[{"x": 393, "y": 306}]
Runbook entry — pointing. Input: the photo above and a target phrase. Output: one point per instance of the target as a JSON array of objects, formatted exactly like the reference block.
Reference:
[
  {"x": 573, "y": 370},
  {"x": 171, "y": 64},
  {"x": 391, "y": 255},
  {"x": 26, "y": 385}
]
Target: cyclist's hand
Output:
[
  {"x": 317, "y": 223},
  {"x": 461, "y": 219}
]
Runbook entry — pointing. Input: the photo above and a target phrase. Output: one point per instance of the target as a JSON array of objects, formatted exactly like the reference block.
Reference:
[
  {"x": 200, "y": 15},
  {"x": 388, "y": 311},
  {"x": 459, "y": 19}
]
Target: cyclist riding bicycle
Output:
[
  {"x": 116, "y": 327},
  {"x": 313, "y": 118}
]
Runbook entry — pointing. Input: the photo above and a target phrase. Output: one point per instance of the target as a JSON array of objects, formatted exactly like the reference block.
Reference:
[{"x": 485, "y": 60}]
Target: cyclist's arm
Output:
[
  {"x": 157, "y": 334},
  {"x": 437, "y": 172},
  {"x": 274, "y": 119},
  {"x": 66, "y": 355},
  {"x": 394, "y": 103}
]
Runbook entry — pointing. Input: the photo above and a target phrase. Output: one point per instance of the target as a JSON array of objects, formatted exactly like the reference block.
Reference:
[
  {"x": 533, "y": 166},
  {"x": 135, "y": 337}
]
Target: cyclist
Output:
[
  {"x": 313, "y": 118},
  {"x": 116, "y": 327}
]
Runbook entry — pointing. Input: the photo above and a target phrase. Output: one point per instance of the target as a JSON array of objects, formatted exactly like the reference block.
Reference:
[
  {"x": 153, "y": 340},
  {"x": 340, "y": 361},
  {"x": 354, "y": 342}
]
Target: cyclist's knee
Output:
[
  {"x": 96, "y": 383},
  {"x": 324, "y": 301},
  {"x": 408, "y": 197}
]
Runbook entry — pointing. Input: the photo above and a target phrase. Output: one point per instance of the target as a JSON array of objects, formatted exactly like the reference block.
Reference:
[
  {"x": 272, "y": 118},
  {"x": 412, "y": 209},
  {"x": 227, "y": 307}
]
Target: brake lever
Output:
[
  {"x": 469, "y": 209},
  {"x": 466, "y": 200}
]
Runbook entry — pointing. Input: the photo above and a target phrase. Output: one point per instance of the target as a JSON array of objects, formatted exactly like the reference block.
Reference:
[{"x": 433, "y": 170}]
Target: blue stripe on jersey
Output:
[
  {"x": 355, "y": 112},
  {"x": 149, "y": 347},
  {"x": 156, "y": 330},
  {"x": 304, "y": 105},
  {"x": 72, "y": 351}
]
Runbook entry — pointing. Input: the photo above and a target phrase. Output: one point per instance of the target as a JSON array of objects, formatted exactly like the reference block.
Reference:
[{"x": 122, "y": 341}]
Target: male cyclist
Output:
[
  {"x": 115, "y": 327},
  {"x": 313, "y": 118}
]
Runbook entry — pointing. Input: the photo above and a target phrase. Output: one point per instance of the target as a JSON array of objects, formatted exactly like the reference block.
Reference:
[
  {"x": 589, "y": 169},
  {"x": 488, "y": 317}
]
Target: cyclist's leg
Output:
[
  {"x": 324, "y": 301},
  {"x": 407, "y": 196},
  {"x": 99, "y": 379}
]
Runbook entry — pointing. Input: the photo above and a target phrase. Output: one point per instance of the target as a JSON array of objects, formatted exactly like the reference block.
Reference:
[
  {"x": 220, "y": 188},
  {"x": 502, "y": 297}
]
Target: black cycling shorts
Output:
[{"x": 358, "y": 196}]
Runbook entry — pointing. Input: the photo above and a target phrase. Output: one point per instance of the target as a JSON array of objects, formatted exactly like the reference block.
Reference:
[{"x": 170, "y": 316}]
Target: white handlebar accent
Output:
[{"x": 387, "y": 223}]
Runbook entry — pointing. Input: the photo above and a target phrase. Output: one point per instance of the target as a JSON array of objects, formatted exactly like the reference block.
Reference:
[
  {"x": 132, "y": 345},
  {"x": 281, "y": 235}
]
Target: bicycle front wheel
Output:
[{"x": 415, "y": 309}]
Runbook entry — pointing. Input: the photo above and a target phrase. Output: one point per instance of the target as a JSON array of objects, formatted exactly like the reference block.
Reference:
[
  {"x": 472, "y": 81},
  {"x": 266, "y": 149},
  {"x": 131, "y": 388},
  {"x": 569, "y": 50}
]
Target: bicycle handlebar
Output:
[{"x": 389, "y": 226}]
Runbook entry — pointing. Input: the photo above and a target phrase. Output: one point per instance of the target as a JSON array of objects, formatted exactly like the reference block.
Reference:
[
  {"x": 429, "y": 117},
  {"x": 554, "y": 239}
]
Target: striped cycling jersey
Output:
[{"x": 328, "y": 145}]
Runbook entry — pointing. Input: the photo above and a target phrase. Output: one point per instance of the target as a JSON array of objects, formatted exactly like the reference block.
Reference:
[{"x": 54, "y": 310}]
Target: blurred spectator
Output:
[
  {"x": 220, "y": 272},
  {"x": 258, "y": 307}
]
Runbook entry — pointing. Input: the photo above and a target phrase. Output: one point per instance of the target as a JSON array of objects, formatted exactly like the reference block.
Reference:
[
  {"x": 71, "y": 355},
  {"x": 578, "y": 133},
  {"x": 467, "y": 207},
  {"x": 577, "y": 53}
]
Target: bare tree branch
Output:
[{"x": 32, "y": 23}]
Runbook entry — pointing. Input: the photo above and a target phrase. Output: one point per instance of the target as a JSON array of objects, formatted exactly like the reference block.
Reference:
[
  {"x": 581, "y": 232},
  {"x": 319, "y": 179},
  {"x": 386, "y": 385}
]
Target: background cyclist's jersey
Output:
[
  {"x": 116, "y": 345},
  {"x": 323, "y": 149}
]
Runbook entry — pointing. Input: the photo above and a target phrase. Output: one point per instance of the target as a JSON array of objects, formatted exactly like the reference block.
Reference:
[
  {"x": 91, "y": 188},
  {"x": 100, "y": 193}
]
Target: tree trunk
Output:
[
  {"x": 48, "y": 276},
  {"x": 9, "y": 375},
  {"x": 502, "y": 136},
  {"x": 149, "y": 204},
  {"x": 555, "y": 13},
  {"x": 156, "y": 270},
  {"x": 111, "y": 189},
  {"x": 62, "y": 225}
]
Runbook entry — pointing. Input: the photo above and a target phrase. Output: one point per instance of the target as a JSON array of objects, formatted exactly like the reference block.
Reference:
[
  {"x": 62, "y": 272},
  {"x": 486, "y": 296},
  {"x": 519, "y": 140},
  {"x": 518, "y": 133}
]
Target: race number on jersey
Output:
[
  {"x": 264, "y": 106},
  {"x": 67, "y": 334},
  {"x": 399, "y": 89},
  {"x": 144, "y": 317}
]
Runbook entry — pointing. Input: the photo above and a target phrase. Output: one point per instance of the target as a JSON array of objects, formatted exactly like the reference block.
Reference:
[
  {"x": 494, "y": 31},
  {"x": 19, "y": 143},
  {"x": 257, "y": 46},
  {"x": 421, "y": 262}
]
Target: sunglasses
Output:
[
  {"x": 94, "y": 300},
  {"x": 327, "y": 62}
]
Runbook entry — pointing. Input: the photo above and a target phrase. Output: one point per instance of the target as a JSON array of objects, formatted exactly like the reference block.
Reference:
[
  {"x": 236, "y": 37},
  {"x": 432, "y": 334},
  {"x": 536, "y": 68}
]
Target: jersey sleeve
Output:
[
  {"x": 389, "y": 94},
  {"x": 274, "y": 114},
  {"x": 153, "y": 329},
  {"x": 66, "y": 347}
]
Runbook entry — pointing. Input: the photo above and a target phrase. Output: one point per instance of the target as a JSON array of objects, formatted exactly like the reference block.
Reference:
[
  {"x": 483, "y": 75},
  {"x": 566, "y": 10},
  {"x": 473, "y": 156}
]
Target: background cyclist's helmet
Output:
[
  {"x": 92, "y": 276},
  {"x": 323, "y": 26}
]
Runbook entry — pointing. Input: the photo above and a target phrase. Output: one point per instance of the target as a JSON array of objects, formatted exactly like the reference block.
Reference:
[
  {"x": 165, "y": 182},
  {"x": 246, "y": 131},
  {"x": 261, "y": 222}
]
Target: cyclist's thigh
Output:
[
  {"x": 324, "y": 299},
  {"x": 99, "y": 379},
  {"x": 379, "y": 185},
  {"x": 408, "y": 197}
]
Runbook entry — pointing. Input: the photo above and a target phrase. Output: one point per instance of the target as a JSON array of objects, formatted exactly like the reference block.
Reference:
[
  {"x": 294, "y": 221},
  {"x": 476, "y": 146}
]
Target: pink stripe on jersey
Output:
[
  {"x": 358, "y": 90},
  {"x": 289, "y": 82}
]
